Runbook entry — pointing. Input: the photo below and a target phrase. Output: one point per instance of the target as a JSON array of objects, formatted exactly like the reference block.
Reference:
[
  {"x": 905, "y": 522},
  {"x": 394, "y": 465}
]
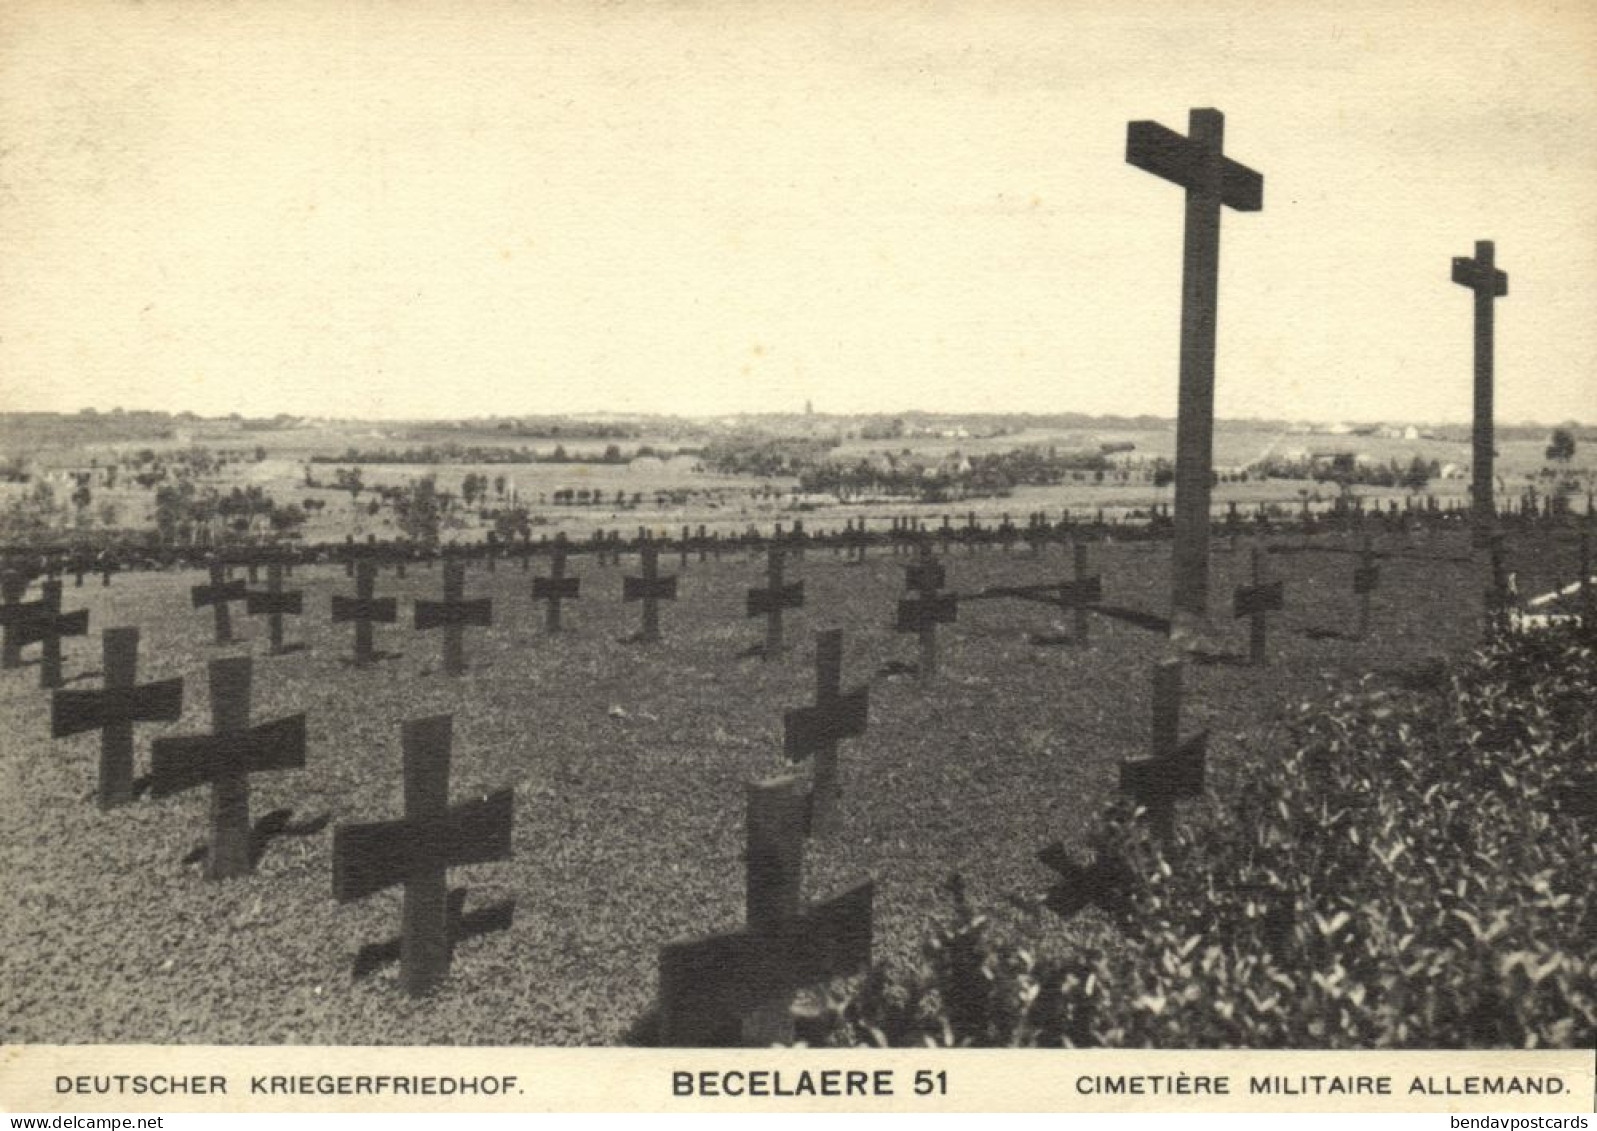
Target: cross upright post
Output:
[
  {"x": 1198, "y": 163},
  {"x": 816, "y": 731},
  {"x": 1482, "y": 276},
  {"x": 225, "y": 759},
  {"x": 777, "y": 596},
  {"x": 557, "y": 586},
  {"x": 114, "y": 710},
  {"x": 418, "y": 850}
]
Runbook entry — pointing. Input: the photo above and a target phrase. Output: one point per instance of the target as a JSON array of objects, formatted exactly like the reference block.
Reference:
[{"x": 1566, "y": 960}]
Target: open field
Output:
[{"x": 628, "y": 764}]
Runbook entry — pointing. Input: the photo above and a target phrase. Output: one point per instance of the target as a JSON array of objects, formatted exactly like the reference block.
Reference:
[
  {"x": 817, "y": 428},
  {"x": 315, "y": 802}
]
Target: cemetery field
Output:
[{"x": 628, "y": 763}]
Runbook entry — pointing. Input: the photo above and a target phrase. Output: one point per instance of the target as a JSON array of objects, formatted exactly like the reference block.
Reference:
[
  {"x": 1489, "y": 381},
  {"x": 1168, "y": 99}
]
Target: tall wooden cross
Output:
[
  {"x": 814, "y": 732},
  {"x": 1256, "y": 601},
  {"x": 113, "y": 711},
  {"x": 225, "y": 759},
  {"x": 738, "y": 988},
  {"x": 778, "y": 596},
  {"x": 45, "y": 625},
  {"x": 1198, "y": 164},
  {"x": 1482, "y": 276},
  {"x": 557, "y": 586},
  {"x": 217, "y": 595},
  {"x": 364, "y": 609},
  {"x": 453, "y": 614},
  {"x": 651, "y": 589},
  {"x": 274, "y": 604},
  {"x": 419, "y": 849},
  {"x": 928, "y": 608},
  {"x": 1175, "y": 769}
]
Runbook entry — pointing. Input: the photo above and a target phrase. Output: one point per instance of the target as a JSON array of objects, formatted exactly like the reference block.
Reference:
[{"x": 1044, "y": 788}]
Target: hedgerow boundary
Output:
[{"x": 1413, "y": 867}]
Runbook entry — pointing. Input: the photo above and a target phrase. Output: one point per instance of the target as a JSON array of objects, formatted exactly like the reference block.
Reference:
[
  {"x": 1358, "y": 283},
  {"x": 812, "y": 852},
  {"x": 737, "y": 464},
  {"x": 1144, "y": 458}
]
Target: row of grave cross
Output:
[{"x": 924, "y": 608}]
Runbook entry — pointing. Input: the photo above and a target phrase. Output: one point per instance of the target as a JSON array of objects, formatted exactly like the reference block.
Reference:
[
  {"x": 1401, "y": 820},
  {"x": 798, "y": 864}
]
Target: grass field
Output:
[{"x": 628, "y": 764}]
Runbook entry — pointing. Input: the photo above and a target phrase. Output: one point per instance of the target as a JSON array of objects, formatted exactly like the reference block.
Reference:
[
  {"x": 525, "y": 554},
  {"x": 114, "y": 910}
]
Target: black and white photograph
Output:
[{"x": 572, "y": 524}]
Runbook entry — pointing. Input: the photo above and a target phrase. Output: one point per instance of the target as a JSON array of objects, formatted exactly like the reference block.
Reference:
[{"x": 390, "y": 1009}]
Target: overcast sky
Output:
[{"x": 400, "y": 209}]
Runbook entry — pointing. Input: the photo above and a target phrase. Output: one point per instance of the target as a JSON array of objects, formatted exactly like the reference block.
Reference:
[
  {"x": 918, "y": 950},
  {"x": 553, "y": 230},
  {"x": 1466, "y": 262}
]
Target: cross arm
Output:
[
  {"x": 916, "y": 613},
  {"x": 1251, "y": 599},
  {"x": 543, "y": 588}
]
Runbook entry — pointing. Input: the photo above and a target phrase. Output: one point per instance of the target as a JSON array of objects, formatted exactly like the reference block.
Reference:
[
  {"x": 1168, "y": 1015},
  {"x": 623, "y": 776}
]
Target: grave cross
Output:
[
  {"x": 777, "y": 596},
  {"x": 217, "y": 595},
  {"x": 738, "y": 988},
  {"x": 816, "y": 731},
  {"x": 557, "y": 586},
  {"x": 453, "y": 614},
  {"x": 1176, "y": 769},
  {"x": 1256, "y": 602},
  {"x": 365, "y": 610},
  {"x": 113, "y": 711},
  {"x": 225, "y": 759},
  {"x": 651, "y": 589},
  {"x": 1482, "y": 276},
  {"x": 926, "y": 610},
  {"x": 1366, "y": 580},
  {"x": 417, "y": 850},
  {"x": 46, "y": 624},
  {"x": 274, "y": 603},
  {"x": 1082, "y": 591},
  {"x": 1198, "y": 164}
]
